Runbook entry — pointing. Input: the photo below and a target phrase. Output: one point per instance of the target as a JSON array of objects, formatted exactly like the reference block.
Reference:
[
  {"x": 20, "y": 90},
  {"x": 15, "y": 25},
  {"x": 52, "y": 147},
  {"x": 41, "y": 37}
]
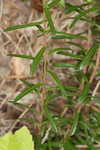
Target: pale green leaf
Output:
[{"x": 21, "y": 140}]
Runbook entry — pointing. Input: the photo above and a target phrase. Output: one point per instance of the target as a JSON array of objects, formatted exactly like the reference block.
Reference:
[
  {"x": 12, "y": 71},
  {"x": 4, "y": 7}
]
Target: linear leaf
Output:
[
  {"x": 27, "y": 83},
  {"x": 58, "y": 82},
  {"x": 21, "y": 56},
  {"x": 77, "y": 18},
  {"x": 71, "y": 8},
  {"x": 37, "y": 60},
  {"x": 27, "y": 91},
  {"x": 90, "y": 53},
  {"x": 84, "y": 14},
  {"x": 50, "y": 22},
  {"x": 50, "y": 117},
  {"x": 93, "y": 9},
  {"x": 65, "y": 65},
  {"x": 22, "y": 26},
  {"x": 84, "y": 94},
  {"x": 41, "y": 29},
  {"x": 71, "y": 88},
  {"x": 62, "y": 3},
  {"x": 68, "y": 145},
  {"x": 77, "y": 45},
  {"x": 71, "y": 55},
  {"x": 61, "y": 35},
  {"x": 75, "y": 123},
  {"x": 53, "y": 3},
  {"x": 58, "y": 49}
]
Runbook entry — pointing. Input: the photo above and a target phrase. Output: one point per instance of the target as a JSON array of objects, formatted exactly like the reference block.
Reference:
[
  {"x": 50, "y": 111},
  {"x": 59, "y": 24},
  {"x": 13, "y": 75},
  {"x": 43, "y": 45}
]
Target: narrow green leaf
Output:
[
  {"x": 27, "y": 83},
  {"x": 90, "y": 21},
  {"x": 58, "y": 82},
  {"x": 50, "y": 117},
  {"x": 62, "y": 3},
  {"x": 55, "y": 144},
  {"x": 30, "y": 85},
  {"x": 50, "y": 22},
  {"x": 98, "y": 73},
  {"x": 75, "y": 123},
  {"x": 53, "y": 3},
  {"x": 82, "y": 97},
  {"x": 55, "y": 50},
  {"x": 37, "y": 60},
  {"x": 23, "y": 106},
  {"x": 23, "y": 26},
  {"x": 90, "y": 53},
  {"x": 93, "y": 9},
  {"x": 71, "y": 88},
  {"x": 71, "y": 55},
  {"x": 27, "y": 91},
  {"x": 21, "y": 56},
  {"x": 41, "y": 29},
  {"x": 78, "y": 46},
  {"x": 76, "y": 19},
  {"x": 50, "y": 97},
  {"x": 61, "y": 35},
  {"x": 68, "y": 145},
  {"x": 84, "y": 94},
  {"x": 65, "y": 65},
  {"x": 80, "y": 75},
  {"x": 31, "y": 121},
  {"x": 72, "y": 8},
  {"x": 84, "y": 14}
]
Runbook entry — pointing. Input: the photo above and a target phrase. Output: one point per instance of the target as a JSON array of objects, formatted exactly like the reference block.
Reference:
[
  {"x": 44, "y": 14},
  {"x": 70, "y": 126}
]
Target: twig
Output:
[
  {"x": 86, "y": 146},
  {"x": 18, "y": 119},
  {"x": 6, "y": 99},
  {"x": 96, "y": 88},
  {"x": 9, "y": 38},
  {"x": 1, "y": 9},
  {"x": 14, "y": 77},
  {"x": 46, "y": 135}
]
